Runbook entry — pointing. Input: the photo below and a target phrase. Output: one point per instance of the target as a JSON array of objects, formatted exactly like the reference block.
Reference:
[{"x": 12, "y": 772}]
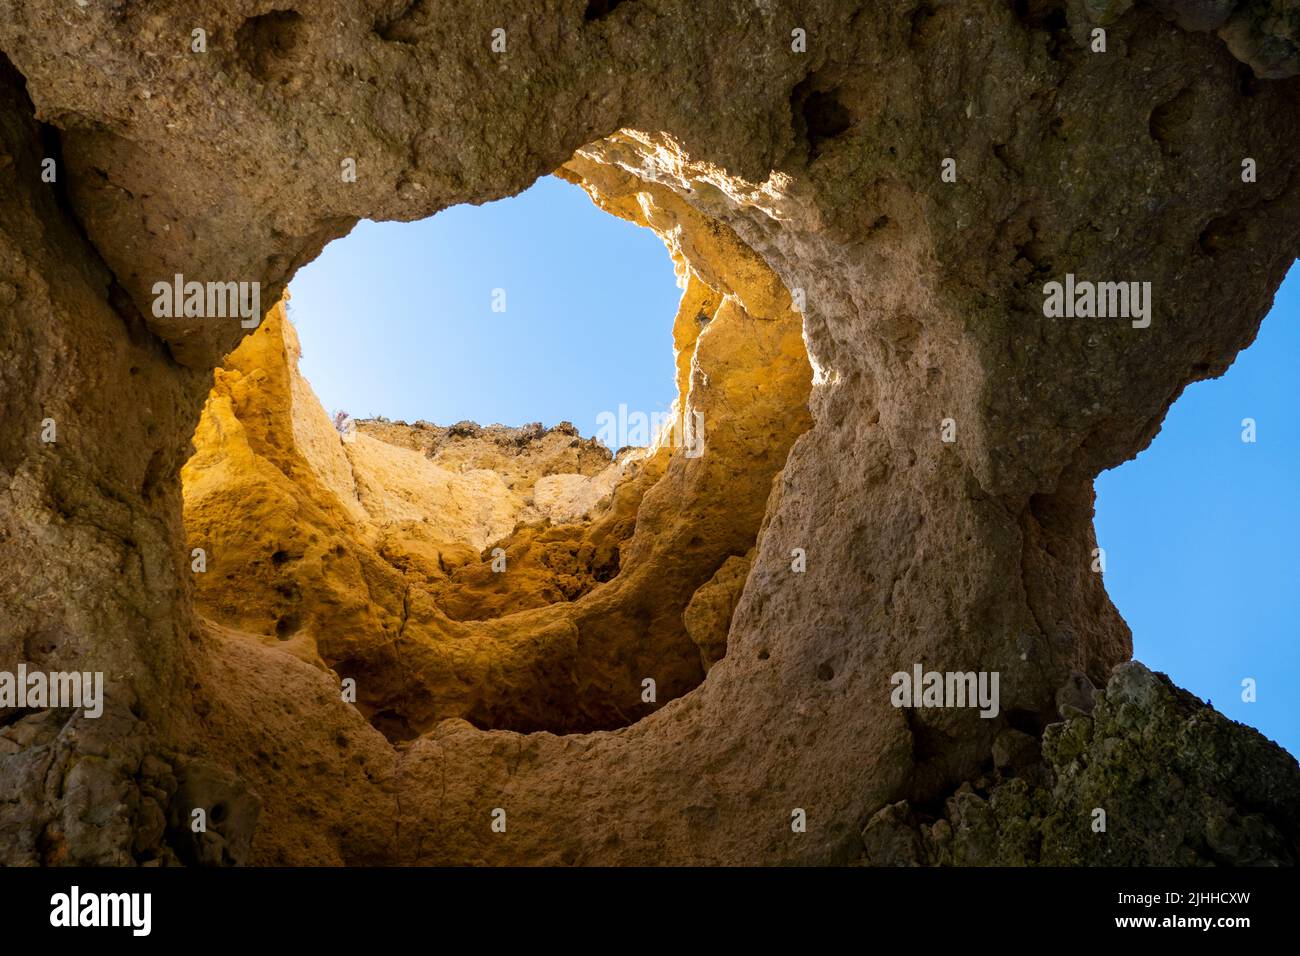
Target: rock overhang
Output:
[{"x": 921, "y": 302}]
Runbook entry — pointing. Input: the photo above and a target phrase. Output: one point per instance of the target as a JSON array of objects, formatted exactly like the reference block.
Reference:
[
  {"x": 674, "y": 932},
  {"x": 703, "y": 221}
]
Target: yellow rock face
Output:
[{"x": 522, "y": 579}]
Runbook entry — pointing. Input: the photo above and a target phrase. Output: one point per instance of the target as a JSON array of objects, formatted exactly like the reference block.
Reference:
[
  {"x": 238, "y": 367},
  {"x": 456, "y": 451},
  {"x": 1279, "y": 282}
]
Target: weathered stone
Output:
[
  {"x": 890, "y": 837},
  {"x": 108, "y": 806},
  {"x": 1197, "y": 14},
  {"x": 212, "y": 816},
  {"x": 773, "y": 172},
  {"x": 1179, "y": 784},
  {"x": 1014, "y": 749},
  {"x": 708, "y": 616},
  {"x": 1266, "y": 36},
  {"x": 519, "y": 578},
  {"x": 1076, "y": 696}
]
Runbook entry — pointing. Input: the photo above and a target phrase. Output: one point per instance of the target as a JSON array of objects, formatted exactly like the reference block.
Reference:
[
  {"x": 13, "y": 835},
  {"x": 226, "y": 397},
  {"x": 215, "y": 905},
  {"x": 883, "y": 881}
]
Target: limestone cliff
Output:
[{"x": 843, "y": 299}]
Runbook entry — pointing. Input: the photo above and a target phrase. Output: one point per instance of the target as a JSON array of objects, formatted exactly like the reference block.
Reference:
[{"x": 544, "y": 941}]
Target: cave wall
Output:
[
  {"x": 379, "y": 556},
  {"x": 922, "y": 301}
]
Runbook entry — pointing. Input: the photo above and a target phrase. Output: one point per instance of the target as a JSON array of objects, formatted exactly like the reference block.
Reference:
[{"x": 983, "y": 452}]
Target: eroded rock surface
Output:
[
  {"x": 519, "y": 578},
  {"x": 1150, "y": 777},
  {"x": 791, "y": 182}
]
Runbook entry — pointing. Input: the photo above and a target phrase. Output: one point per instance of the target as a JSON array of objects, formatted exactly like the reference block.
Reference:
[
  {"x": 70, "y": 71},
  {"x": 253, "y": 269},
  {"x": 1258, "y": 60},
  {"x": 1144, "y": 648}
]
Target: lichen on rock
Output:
[{"x": 1149, "y": 776}]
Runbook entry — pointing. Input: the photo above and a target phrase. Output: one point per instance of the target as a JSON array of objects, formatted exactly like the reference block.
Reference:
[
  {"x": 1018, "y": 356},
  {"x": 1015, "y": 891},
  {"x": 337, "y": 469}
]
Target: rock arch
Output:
[{"x": 921, "y": 302}]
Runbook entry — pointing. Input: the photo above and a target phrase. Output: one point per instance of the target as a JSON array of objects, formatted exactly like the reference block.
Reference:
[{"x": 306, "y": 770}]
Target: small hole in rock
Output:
[
  {"x": 824, "y": 118},
  {"x": 598, "y": 9},
  {"x": 271, "y": 45}
]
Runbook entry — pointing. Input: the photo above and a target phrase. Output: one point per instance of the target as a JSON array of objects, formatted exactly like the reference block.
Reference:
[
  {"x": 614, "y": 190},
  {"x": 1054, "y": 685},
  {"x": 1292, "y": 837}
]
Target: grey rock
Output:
[
  {"x": 1013, "y": 749},
  {"x": 229, "y": 817},
  {"x": 1076, "y": 697}
]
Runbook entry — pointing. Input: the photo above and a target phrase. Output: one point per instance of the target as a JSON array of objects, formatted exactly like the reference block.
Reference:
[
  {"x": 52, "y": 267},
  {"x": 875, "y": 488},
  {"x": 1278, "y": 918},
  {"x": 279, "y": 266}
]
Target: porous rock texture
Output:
[
  {"x": 518, "y": 578},
  {"x": 921, "y": 301},
  {"x": 1157, "y": 774}
]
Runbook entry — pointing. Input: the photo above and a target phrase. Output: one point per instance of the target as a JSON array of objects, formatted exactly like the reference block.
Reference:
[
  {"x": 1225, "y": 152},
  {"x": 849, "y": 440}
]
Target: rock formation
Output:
[
  {"x": 863, "y": 201},
  {"x": 458, "y": 572},
  {"x": 1177, "y": 782}
]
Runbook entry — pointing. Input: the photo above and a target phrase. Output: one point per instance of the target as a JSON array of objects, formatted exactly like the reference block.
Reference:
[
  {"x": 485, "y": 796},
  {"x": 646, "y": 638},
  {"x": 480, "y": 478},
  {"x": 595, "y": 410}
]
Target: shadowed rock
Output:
[{"x": 1153, "y": 777}]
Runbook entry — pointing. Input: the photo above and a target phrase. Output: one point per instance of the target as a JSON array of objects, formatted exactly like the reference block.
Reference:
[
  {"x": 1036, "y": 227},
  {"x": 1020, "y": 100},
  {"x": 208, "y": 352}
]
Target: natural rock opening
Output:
[
  {"x": 520, "y": 578},
  {"x": 922, "y": 302}
]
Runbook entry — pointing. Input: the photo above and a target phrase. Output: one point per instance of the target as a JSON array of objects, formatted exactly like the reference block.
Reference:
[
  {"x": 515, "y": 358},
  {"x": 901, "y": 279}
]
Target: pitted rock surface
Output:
[{"x": 808, "y": 179}]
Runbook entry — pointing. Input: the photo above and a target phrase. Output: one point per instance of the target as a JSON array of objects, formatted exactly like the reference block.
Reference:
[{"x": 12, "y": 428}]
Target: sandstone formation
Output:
[
  {"x": 845, "y": 304},
  {"x": 518, "y": 578}
]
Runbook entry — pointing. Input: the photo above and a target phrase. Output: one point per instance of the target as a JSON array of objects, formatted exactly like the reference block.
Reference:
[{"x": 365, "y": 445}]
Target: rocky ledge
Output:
[{"x": 1140, "y": 773}]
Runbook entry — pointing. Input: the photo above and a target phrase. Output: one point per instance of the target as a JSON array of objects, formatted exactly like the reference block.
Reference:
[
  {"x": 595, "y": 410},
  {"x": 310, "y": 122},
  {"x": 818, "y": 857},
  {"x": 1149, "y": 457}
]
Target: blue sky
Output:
[
  {"x": 1201, "y": 531},
  {"x": 396, "y": 319},
  {"x": 1202, "y": 534}
]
